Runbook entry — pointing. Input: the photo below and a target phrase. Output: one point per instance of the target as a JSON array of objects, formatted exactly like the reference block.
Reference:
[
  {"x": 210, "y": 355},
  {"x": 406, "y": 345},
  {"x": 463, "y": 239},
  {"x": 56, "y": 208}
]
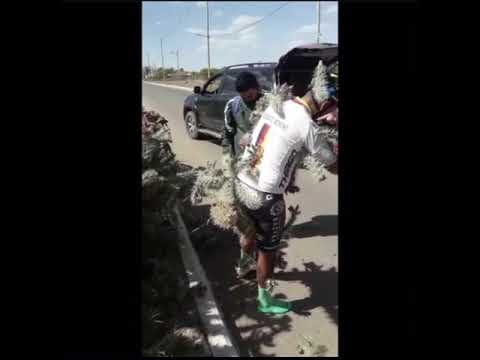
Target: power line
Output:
[
  {"x": 256, "y": 22},
  {"x": 248, "y": 25}
]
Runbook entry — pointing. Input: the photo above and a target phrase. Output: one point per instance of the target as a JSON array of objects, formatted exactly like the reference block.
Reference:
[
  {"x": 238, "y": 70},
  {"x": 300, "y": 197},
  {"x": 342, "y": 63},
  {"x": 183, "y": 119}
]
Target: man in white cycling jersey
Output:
[{"x": 280, "y": 139}]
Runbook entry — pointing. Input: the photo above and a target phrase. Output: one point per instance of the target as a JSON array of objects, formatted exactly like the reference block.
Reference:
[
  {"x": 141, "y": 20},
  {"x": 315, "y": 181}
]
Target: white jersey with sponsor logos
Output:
[{"x": 280, "y": 144}]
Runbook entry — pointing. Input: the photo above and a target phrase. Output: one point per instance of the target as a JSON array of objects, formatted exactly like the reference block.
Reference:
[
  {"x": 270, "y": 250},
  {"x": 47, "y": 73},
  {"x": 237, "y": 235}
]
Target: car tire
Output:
[{"x": 192, "y": 124}]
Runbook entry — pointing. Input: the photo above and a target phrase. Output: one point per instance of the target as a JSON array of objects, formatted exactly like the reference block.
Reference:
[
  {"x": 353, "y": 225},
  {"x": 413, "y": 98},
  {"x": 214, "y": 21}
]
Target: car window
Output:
[
  {"x": 265, "y": 78},
  {"x": 213, "y": 85},
  {"x": 229, "y": 84},
  {"x": 263, "y": 75}
]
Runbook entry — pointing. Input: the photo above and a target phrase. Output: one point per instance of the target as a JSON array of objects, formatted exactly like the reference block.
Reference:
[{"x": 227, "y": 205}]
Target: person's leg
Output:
[
  {"x": 247, "y": 228},
  {"x": 267, "y": 303},
  {"x": 271, "y": 226},
  {"x": 270, "y": 279},
  {"x": 247, "y": 243},
  {"x": 264, "y": 266},
  {"x": 247, "y": 261}
]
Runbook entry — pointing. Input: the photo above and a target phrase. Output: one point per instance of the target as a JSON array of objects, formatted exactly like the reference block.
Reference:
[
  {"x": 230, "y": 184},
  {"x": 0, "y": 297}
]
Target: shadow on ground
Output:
[
  {"x": 209, "y": 138},
  {"x": 323, "y": 285},
  {"x": 322, "y": 225},
  {"x": 219, "y": 251}
]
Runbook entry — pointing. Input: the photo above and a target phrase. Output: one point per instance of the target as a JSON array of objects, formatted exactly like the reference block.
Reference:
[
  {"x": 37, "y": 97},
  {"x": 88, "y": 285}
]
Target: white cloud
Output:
[
  {"x": 204, "y": 32},
  {"x": 307, "y": 29},
  {"x": 232, "y": 31},
  {"x": 218, "y": 13},
  {"x": 328, "y": 31},
  {"x": 246, "y": 37},
  {"x": 158, "y": 22},
  {"x": 243, "y": 20},
  {"x": 295, "y": 43},
  {"x": 194, "y": 30},
  {"x": 331, "y": 8},
  {"x": 229, "y": 44},
  {"x": 201, "y": 4},
  {"x": 329, "y": 13}
]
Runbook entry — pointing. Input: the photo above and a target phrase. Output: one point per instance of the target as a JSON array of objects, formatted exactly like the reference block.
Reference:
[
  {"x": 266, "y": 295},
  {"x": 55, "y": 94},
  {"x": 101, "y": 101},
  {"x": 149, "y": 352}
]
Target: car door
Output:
[
  {"x": 225, "y": 93},
  {"x": 207, "y": 101}
]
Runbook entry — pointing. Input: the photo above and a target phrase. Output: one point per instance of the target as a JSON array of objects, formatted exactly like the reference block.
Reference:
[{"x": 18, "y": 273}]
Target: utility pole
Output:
[
  {"x": 318, "y": 22},
  {"x": 176, "y": 53},
  {"x": 208, "y": 41},
  {"x": 148, "y": 63},
  {"x": 163, "y": 65}
]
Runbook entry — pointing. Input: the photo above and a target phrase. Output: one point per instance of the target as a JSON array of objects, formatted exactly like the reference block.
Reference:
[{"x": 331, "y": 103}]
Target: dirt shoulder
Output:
[{"x": 308, "y": 330}]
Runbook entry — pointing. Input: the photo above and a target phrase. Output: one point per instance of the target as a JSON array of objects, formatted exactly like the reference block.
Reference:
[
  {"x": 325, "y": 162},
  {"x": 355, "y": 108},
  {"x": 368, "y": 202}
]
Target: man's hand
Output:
[
  {"x": 227, "y": 143},
  {"x": 335, "y": 149},
  {"x": 330, "y": 119},
  {"x": 244, "y": 140}
]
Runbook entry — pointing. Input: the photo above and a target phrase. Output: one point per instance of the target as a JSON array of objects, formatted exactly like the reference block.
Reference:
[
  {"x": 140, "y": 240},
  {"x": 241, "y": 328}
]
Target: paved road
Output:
[{"x": 310, "y": 276}]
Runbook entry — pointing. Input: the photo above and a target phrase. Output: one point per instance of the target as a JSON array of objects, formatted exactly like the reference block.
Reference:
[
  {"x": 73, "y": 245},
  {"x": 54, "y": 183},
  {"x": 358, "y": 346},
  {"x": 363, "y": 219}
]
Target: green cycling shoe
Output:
[{"x": 270, "y": 305}]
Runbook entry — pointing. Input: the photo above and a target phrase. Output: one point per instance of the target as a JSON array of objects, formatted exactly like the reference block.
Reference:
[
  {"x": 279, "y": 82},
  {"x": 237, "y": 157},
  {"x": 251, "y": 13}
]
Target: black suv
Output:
[{"x": 203, "y": 111}]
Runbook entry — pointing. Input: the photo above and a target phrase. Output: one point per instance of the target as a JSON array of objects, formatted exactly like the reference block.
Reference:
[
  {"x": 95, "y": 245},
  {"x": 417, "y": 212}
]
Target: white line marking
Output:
[
  {"x": 219, "y": 341},
  {"x": 216, "y": 322},
  {"x": 170, "y": 86},
  {"x": 218, "y": 337}
]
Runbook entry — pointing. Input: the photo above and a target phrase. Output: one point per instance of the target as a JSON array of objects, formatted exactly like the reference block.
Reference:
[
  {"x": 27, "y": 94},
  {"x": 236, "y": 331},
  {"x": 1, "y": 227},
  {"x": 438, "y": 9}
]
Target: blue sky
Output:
[{"x": 176, "y": 21}]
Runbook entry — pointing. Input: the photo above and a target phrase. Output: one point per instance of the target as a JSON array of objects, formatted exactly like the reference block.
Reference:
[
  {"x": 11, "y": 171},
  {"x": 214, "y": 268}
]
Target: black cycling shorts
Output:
[{"x": 269, "y": 220}]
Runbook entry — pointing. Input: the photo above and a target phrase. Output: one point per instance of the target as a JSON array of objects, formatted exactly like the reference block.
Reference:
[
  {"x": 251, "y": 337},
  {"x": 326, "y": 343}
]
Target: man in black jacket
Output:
[{"x": 238, "y": 110}]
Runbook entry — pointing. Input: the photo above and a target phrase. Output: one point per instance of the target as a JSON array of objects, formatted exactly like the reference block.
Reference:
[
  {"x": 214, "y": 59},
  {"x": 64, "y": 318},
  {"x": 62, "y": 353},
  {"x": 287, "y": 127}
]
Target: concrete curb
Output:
[
  {"x": 218, "y": 336},
  {"x": 170, "y": 86}
]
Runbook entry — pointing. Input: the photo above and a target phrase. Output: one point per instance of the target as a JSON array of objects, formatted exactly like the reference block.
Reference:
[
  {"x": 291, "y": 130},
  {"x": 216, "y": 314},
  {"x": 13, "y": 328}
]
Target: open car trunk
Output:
[{"x": 297, "y": 65}]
